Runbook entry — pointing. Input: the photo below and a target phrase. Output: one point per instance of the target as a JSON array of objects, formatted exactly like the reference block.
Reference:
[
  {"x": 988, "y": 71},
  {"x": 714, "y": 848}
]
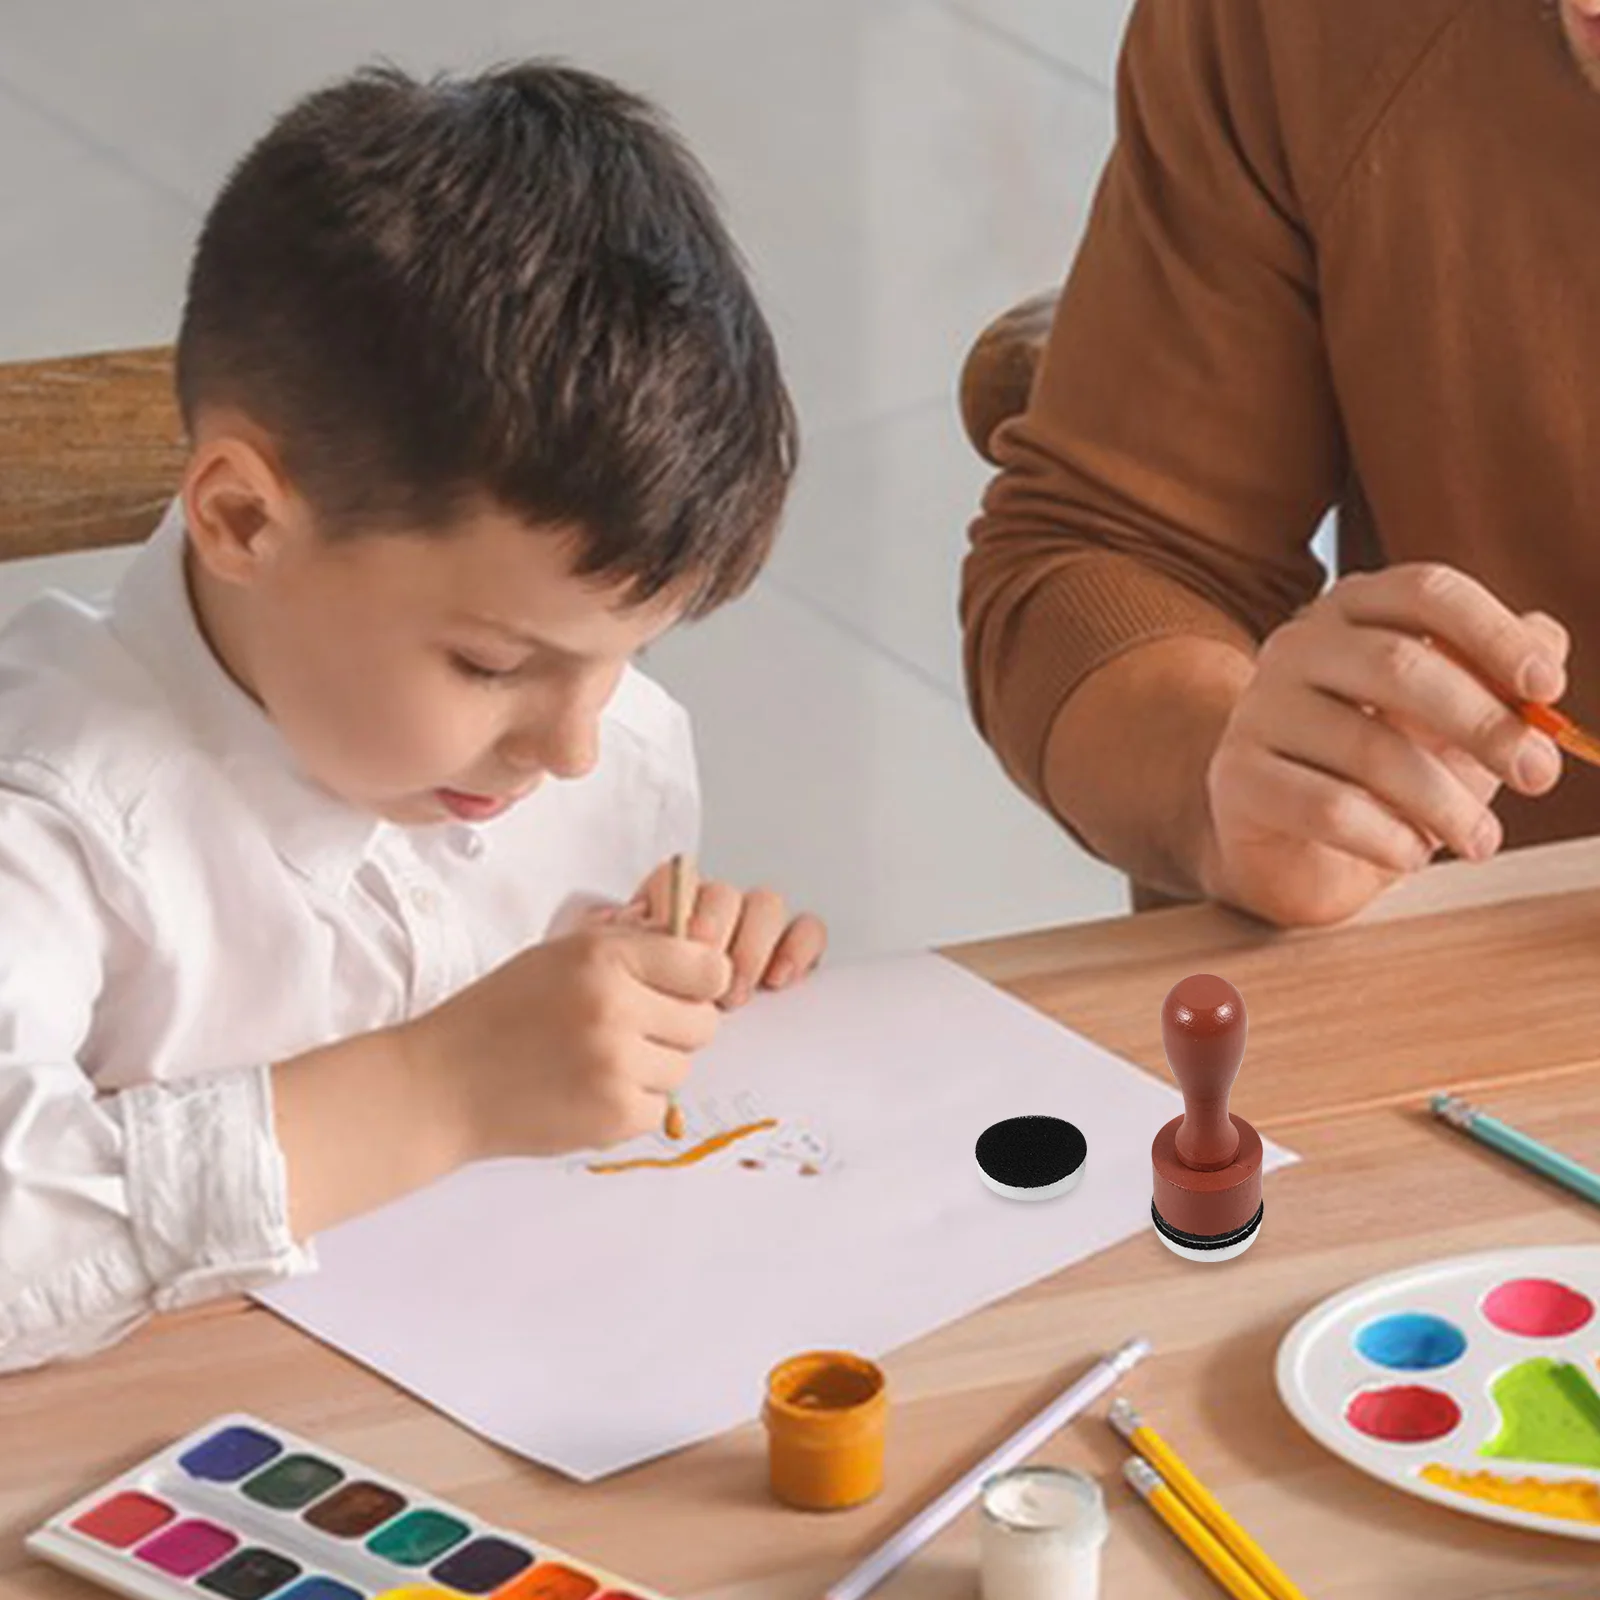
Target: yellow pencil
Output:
[
  {"x": 1202, "y": 1503},
  {"x": 1191, "y": 1532},
  {"x": 681, "y": 896}
]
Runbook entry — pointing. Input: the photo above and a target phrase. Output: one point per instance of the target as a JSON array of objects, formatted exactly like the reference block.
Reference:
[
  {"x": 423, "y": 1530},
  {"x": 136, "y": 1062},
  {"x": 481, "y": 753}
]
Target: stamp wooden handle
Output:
[{"x": 1203, "y": 1031}]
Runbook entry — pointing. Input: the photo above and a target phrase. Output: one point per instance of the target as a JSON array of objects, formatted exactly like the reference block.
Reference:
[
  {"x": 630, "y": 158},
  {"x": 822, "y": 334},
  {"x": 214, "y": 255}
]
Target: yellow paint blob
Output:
[{"x": 1570, "y": 1499}]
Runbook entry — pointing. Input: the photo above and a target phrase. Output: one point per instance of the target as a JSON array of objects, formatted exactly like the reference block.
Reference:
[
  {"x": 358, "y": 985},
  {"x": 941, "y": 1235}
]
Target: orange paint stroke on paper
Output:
[{"x": 687, "y": 1158}]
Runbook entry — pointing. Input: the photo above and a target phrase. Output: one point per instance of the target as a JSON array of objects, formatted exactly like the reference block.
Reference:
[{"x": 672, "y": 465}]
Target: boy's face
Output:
[{"x": 418, "y": 677}]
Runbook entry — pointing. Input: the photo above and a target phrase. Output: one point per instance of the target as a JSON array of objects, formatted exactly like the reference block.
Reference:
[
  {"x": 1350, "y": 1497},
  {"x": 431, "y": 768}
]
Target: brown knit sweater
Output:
[{"x": 1346, "y": 253}]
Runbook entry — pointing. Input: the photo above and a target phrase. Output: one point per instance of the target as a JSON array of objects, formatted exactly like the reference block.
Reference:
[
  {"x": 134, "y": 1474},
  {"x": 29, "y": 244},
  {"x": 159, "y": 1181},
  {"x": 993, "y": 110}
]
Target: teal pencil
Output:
[{"x": 1503, "y": 1137}]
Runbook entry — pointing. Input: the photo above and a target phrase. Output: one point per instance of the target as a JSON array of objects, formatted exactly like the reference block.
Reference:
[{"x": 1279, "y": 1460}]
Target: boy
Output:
[{"x": 480, "y": 404}]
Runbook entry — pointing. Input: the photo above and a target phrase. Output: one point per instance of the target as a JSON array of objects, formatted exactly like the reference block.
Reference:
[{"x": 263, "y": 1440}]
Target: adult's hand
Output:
[{"x": 1357, "y": 750}]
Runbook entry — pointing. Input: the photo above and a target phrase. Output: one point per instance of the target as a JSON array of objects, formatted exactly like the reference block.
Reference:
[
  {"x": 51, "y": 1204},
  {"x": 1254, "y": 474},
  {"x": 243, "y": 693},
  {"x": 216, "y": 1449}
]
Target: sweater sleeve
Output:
[{"x": 1182, "y": 442}]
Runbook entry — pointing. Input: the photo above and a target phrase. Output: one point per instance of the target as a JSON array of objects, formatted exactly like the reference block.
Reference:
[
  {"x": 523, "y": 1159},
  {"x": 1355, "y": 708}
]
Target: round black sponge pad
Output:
[{"x": 1031, "y": 1158}]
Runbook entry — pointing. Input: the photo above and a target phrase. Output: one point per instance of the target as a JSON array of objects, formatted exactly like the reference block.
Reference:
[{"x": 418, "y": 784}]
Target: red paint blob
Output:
[
  {"x": 125, "y": 1518},
  {"x": 1405, "y": 1414},
  {"x": 1537, "y": 1308}
]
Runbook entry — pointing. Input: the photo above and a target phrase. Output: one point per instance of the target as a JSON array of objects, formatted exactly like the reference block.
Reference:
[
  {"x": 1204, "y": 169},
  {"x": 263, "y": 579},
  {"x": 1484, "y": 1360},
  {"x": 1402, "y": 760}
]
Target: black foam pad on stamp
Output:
[
  {"x": 1207, "y": 1241},
  {"x": 1034, "y": 1157}
]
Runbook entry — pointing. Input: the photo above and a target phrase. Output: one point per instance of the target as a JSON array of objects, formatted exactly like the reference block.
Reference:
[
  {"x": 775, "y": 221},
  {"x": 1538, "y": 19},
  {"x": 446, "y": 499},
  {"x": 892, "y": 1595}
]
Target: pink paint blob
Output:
[
  {"x": 1537, "y": 1308},
  {"x": 187, "y": 1548},
  {"x": 1404, "y": 1414}
]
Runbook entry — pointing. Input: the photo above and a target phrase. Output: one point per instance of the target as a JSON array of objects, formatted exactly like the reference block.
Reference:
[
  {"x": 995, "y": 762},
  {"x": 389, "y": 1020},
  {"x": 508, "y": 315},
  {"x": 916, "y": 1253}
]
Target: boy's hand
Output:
[
  {"x": 570, "y": 1045},
  {"x": 767, "y": 950},
  {"x": 1357, "y": 751}
]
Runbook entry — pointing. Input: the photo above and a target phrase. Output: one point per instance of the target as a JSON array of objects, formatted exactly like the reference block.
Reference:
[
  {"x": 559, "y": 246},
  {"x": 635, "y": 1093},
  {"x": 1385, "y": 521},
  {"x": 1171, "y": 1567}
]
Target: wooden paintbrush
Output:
[
  {"x": 1574, "y": 739},
  {"x": 1569, "y": 735},
  {"x": 680, "y": 900}
]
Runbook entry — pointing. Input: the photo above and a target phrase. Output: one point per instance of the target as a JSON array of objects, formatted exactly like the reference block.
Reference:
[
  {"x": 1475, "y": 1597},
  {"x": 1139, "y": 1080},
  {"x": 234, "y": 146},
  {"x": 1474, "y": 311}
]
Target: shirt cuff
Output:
[
  {"x": 1080, "y": 619},
  {"x": 208, "y": 1192}
]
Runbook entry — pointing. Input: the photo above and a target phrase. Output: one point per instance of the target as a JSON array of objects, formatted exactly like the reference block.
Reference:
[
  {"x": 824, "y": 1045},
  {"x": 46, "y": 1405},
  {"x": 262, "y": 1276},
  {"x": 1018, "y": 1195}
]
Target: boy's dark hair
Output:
[{"x": 512, "y": 287}]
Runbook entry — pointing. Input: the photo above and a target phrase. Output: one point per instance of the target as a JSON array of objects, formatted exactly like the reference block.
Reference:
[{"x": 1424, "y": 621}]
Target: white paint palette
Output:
[{"x": 1473, "y": 1382}]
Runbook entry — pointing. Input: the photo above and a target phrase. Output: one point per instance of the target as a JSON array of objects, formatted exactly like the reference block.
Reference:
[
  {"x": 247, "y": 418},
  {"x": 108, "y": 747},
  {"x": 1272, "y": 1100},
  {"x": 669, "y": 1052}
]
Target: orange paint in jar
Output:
[{"x": 825, "y": 1415}]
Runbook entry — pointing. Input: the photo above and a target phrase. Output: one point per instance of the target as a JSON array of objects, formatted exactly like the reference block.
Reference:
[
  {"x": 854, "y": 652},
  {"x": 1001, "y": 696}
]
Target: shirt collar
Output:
[{"x": 320, "y": 836}]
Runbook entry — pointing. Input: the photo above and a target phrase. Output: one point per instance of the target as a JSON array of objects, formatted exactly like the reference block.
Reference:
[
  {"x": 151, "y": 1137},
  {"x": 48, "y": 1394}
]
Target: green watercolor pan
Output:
[
  {"x": 243, "y": 1510},
  {"x": 1472, "y": 1381}
]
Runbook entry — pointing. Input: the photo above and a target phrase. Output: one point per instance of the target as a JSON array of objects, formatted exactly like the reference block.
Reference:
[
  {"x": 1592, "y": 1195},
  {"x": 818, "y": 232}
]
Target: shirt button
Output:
[
  {"x": 469, "y": 842},
  {"x": 425, "y": 900}
]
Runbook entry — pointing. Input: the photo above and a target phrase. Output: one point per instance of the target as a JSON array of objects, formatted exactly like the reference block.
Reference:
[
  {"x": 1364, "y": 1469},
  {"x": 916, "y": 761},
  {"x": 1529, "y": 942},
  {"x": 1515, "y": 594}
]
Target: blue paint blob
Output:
[
  {"x": 1411, "y": 1341},
  {"x": 229, "y": 1455}
]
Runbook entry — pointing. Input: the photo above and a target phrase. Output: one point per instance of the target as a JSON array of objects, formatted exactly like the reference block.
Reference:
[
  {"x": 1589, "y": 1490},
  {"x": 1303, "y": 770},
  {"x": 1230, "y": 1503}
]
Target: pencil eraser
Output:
[{"x": 1031, "y": 1158}]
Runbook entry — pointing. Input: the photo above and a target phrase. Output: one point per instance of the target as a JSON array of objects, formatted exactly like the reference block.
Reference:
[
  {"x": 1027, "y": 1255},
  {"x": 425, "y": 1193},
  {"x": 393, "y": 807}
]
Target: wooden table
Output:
[{"x": 1480, "y": 978}]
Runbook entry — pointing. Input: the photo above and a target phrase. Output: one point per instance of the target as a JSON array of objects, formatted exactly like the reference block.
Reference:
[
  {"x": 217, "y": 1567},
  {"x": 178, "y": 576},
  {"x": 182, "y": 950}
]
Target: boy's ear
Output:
[{"x": 238, "y": 504}]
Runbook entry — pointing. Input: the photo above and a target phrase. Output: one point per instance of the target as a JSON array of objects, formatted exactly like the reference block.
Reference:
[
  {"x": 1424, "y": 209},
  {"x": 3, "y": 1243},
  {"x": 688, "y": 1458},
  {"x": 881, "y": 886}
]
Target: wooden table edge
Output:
[{"x": 1567, "y": 867}]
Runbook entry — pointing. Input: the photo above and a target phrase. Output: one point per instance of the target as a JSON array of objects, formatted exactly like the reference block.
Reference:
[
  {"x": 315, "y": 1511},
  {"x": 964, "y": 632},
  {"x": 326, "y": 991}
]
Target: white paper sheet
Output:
[{"x": 591, "y": 1322}]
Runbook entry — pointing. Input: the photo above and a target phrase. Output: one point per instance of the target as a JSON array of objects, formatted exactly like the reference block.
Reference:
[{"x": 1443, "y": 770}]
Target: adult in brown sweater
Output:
[{"x": 1343, "y": 256}]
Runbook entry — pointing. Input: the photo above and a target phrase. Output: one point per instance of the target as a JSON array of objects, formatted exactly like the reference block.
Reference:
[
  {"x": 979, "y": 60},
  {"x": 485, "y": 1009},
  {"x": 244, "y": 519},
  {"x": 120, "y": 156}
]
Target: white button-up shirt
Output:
[{"x": 179, "y": 907}]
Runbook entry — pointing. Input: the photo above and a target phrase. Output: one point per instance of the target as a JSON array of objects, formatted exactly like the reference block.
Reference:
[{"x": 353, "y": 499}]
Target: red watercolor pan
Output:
[{"x": 125, "y": 1519}]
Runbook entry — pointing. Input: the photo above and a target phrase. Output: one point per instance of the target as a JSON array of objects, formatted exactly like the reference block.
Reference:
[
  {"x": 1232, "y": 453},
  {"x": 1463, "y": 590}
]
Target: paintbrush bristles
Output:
[
  {"x": 1581, "y": 743},
  {"x": 1575, "y": 739}
]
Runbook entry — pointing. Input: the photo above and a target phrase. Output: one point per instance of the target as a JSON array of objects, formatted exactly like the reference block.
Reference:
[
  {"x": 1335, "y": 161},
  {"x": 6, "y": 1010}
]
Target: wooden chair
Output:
[
  {"x": 91, "y": 451},
  {"x": 91, "y": 447},
  {"x": 998, "y": 373}
]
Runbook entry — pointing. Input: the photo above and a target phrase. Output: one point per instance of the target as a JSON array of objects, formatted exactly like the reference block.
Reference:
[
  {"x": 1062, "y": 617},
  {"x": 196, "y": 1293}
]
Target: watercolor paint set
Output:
[
  {"x": 242, "y": 1510},
  {"x": 1470, "y": 1381}
]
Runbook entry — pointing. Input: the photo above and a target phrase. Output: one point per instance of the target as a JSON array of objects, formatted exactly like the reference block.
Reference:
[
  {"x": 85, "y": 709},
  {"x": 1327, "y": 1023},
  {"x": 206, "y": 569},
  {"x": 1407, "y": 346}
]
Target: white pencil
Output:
[{"x": 902, "y": 1545}]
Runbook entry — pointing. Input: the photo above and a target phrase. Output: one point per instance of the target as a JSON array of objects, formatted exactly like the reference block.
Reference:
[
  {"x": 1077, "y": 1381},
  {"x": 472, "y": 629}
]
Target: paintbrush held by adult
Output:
[{"x": 1570, "y": 736}]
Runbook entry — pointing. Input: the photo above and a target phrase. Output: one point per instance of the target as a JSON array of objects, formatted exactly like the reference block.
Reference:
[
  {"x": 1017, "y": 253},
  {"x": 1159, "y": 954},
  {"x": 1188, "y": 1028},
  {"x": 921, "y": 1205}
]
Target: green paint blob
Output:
[
  {"x": 417, "y": 1538},
  {"x": 1549, "y": 1412}
]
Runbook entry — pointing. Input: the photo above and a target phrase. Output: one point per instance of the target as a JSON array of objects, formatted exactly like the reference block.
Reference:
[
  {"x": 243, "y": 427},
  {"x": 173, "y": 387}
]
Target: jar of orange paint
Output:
[{"x": 825, "y": 1414}]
